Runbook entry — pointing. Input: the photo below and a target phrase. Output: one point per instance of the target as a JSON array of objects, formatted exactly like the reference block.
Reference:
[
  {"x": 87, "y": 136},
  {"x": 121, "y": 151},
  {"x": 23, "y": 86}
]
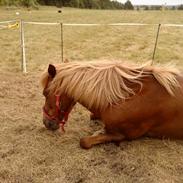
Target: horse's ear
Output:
[
  {"x": 52, "y": 70},
  {"x": 66, "y": 60}
]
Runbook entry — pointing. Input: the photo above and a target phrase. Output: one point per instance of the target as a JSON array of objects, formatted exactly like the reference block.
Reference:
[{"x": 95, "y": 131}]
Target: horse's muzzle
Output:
[{"x": 51, "y": 125}]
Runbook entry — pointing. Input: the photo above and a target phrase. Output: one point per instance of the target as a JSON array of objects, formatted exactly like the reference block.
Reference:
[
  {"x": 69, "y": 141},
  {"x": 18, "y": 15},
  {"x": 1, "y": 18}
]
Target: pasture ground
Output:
[{"x": 29, "y": 152}]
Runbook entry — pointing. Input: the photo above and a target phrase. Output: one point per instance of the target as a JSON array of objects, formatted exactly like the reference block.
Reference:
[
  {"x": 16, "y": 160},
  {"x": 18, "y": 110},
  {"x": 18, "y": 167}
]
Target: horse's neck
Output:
[{"x": 92, "y": 109}]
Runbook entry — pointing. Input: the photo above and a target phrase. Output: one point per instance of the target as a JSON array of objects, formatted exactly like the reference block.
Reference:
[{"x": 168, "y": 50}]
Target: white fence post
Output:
[
  {"x": 23, "y": 63},
  {"x": 62, "y": 42}
]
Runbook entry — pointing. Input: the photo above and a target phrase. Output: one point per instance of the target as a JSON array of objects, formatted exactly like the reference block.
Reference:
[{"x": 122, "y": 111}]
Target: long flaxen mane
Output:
[{"x": 104, "y": 83}]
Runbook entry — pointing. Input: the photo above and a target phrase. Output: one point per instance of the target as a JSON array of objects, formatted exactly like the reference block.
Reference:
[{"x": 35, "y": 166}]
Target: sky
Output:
[{"x": 154, "y": 2}]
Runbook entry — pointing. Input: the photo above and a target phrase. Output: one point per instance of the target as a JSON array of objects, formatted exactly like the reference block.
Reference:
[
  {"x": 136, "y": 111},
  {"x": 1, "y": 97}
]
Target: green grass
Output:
[{"x": 134, "y": 43}]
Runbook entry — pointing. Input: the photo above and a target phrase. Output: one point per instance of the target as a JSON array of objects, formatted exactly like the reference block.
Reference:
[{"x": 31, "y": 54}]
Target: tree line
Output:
[
  {"x": 89, "y": 4},
  {"x": 157, "y": 7}
]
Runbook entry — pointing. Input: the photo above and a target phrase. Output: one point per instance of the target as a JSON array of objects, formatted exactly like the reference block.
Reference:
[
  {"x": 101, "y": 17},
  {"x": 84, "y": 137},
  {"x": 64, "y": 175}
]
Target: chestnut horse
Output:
[{"x": 131, "y": 101}]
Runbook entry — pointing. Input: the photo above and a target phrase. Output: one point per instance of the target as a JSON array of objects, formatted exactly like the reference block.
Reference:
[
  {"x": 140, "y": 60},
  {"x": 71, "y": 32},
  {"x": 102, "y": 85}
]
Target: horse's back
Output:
[{"x": 153, "y": 112}]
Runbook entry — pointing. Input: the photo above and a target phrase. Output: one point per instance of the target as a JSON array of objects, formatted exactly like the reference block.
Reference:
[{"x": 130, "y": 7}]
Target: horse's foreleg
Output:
[{"x": 88, "y": 142}]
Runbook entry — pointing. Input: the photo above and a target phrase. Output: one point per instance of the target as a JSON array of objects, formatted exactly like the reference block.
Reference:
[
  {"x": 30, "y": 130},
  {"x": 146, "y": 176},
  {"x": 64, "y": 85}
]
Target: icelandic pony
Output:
[{"x": 130, "y": 101}]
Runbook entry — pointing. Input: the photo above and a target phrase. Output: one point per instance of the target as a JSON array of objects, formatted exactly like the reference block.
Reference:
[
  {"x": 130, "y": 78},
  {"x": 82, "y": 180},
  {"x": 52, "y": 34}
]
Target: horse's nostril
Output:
[
  {"x": 47, "y": 123},
  {"x": 50, "y": 125}
]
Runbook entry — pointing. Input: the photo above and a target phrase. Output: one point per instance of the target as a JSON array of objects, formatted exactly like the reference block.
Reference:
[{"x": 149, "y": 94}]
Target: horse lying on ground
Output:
[{"x": 130, "y": 101}]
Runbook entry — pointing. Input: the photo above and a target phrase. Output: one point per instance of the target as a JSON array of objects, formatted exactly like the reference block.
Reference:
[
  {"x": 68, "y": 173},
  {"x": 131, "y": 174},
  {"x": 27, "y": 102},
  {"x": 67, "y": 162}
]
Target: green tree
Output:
[
  {"x": 90, "y": 4},
  {"x": 9, "y": 2},
  {"x": 128, "y": 5},
  {"x": 95, "y": 4},
  {"x": 146, "y": 8},
  {"x": 74, "y": 3},
  {"x": 26, "y": 3},
  {"x": 173, "y": 8},
  {"x": 29, "y": 3},
  {"x": 117, "y": 5},
  {"x": 81, "y": 4},
  {"x": 180, "y": 7}
]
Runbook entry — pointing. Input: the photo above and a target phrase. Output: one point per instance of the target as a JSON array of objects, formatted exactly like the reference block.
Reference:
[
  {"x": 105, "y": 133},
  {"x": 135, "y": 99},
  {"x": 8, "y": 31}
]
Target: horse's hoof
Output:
[{"x": 84, "y": 144}]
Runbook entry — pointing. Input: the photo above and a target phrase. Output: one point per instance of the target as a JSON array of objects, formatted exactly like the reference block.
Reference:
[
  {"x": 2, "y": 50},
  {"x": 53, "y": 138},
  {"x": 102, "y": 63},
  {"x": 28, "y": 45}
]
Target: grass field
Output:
[
  {"x": 87, "y": 43},
  {"x": 30, "y": 153}
]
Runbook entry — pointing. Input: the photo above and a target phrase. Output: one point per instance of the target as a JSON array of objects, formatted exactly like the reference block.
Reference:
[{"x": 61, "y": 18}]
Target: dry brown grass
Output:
[{"x": 30, "y": 153}]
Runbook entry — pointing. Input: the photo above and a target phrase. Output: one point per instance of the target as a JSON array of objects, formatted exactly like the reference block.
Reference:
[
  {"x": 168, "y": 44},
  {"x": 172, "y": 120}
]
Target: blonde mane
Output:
[{"x": 100, "y": 84}]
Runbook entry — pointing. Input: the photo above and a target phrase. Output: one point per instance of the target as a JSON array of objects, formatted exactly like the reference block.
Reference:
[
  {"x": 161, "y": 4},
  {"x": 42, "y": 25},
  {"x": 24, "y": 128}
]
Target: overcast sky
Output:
[{"x": 154, "y": 2}]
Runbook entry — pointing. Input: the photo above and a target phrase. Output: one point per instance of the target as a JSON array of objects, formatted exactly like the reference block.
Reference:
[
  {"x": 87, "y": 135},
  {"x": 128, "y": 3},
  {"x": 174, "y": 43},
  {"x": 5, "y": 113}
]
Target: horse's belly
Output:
[{"x": 172, "y": 130}]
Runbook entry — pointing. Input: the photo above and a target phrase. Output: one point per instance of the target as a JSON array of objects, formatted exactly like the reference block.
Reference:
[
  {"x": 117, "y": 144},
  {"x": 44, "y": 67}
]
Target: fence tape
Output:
[
  {"x": 42, "y": 23},
  {"x": 10, "y": 26},
  {"x": 74, "y": 24},
  {"x": 93, "y": 24},
  {"x": 10, "y": 21},
  {"x": 131, "y": 24},
  {"x": 172, "y": 25},
  {"x": 3, "y": 26},
  {"x": 124, "y": 24},
  {"x": 98, "y": 24},
  {"x": 83, "y": 24}
]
